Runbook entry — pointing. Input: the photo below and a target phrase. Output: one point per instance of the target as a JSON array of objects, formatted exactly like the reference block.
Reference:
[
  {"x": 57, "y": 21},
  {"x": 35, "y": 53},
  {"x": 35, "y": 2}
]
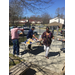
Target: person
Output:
[
  {"x": 15, "y": 40},
  {"x": 47, "y": 39},
  {"x": 53, "y": 29},
  {"x": 62, "y": 40},
  {"x": 30, "y": 35},
  {"x": 63, "y": 43},
  {"x": 58, "y": 29}
]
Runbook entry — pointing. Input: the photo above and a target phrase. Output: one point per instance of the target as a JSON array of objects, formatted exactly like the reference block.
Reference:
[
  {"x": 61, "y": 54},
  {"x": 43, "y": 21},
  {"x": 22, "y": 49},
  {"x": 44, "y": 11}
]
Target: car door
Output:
[{"x": 26, "y": 31}]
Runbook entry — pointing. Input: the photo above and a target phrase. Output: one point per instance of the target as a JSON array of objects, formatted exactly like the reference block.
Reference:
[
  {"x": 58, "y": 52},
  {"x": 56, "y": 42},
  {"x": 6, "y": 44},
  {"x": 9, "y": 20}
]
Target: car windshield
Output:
[{"x": 26, "y": 28}]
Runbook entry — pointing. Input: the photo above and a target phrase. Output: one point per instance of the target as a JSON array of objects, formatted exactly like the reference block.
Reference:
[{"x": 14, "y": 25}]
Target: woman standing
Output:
[
  {"x": 47, "y": 39},
  {"x": 58, "y": 27}
]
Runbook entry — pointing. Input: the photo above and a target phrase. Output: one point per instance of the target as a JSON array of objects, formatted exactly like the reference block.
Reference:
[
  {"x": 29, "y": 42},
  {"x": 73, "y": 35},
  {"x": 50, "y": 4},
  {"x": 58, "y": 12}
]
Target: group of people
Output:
[{"x": 47, "y": 37}]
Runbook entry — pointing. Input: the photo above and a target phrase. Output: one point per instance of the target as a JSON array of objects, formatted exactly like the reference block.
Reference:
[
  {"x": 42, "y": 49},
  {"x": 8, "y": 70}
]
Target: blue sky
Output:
[{"x": 51, "y": 10}]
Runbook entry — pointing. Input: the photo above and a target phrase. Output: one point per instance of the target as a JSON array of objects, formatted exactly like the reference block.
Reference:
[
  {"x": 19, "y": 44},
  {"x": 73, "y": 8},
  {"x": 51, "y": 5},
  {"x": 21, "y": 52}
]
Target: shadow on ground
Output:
[
  {"x": 36, "y": 50},
  {"x": 53, "y": 54},
  {"x": 30, "y": 72},
  {"x": 63, "y": 49}
]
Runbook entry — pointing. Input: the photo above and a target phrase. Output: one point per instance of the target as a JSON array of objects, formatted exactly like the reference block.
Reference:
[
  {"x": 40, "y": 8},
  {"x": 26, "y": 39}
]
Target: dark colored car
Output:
[{"x": 25, "y": 32}]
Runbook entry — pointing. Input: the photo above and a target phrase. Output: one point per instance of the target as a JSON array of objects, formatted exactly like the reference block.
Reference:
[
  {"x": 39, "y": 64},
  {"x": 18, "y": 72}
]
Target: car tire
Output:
[
  {"x": 35, "y": 33},
  {"x": 23, "y": 34}
]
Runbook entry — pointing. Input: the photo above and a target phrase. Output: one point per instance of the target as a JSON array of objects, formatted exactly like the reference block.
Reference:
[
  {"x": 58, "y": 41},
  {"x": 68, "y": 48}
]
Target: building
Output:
[
  {"x": 56, "y": 22},
  {"x": 32, "y": 21},
  {"x": 23, "y": 21},
  {"x": 35, "y": 21},
  {"x": 39, "y": 22},
  {"x": 26, "y": 21}
]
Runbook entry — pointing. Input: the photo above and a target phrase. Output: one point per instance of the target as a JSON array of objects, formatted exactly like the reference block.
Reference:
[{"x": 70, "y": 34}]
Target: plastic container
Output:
[
  {"x": 30, "y": 42},
  {"x": 25, "y": 41}
]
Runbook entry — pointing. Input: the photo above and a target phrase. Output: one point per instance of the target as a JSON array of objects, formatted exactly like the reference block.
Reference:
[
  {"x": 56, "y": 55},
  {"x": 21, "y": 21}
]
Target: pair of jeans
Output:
[
  {"x": 29, "y": 46},
  {"x": 15, "y": 46}
]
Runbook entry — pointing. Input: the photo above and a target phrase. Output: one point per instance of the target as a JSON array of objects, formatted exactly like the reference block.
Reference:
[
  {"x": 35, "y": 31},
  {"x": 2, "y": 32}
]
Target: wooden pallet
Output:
[{"x": 20, "y": 68}]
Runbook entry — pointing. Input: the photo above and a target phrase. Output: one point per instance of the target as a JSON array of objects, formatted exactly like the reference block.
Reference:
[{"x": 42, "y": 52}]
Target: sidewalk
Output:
[{"x": 37, "y": 56}]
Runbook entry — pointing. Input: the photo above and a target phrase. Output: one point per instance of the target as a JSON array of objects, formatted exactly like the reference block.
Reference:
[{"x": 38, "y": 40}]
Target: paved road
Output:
[{"x": 40, "y": 30}]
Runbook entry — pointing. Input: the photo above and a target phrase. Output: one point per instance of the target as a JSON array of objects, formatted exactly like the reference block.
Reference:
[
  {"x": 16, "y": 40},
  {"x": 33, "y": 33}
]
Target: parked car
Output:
[
  {"x": 25, "y": 32},
  {"x": 20, "y": 32},
  {"x": 25, "y": 26},
  {"x": 41, "y": 26},
  {"x": 19, "y": 27},
  {"x": 11, "y": 28}
]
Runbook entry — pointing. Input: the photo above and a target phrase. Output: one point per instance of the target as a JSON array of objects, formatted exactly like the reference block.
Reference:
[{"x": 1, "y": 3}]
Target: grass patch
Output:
[
  {"x": 14, "y": 60},
  {"x": 22, "y": 39},
  {"x": 60, "y": 29}
]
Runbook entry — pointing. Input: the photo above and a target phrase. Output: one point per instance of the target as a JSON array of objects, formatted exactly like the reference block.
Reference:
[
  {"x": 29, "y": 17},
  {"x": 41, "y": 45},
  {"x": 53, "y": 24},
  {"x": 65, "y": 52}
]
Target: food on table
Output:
[{"x": 29, "y": 41}]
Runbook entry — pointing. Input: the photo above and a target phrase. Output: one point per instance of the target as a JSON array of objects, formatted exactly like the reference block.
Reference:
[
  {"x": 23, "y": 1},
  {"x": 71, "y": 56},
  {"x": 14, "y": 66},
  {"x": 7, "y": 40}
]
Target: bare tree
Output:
[
  {"x": 15, "y": 11},
  {"x": 57, "y": 12},
  {"x": 34, "y": 6},
  {"x": 18, "y": 7},
  {"x": 45, "y": 18},
  {"x": 62, "y": 11}
]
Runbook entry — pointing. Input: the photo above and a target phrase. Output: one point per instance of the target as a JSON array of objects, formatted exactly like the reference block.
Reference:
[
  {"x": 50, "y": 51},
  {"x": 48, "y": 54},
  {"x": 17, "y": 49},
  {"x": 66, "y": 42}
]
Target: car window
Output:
[{"x": 26, "y": 29}]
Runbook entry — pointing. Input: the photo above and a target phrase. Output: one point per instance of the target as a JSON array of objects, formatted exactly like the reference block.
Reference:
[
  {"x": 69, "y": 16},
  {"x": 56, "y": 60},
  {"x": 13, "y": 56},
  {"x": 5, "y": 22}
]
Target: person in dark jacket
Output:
[{"x": 30, "y": 35}]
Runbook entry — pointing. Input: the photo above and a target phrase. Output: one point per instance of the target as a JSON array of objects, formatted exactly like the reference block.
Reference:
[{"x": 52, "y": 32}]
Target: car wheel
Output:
[
  {"x": 23, "y": 34},
  {"x": 35, "y": 33}
]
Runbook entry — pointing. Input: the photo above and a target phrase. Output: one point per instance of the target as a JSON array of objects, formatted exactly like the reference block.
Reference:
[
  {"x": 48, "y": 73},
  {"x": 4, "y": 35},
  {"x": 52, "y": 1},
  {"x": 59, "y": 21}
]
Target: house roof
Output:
[
  {"x": 56, "y": 17},
  {"x": 31, "y": 20},
  {"x": 22, "y": 22}
]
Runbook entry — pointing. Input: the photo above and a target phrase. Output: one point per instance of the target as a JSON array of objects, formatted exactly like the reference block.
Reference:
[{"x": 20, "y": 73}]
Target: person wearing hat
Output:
[
  {"x": 30, "y": 35},
  {"x": 47, "y": 39}
]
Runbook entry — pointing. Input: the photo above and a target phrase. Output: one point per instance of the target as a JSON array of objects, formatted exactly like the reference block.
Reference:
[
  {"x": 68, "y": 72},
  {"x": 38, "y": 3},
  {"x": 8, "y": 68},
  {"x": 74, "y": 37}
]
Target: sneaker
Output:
[
  {"x": 18, "y": 55},
  {"x": 47, "y": 57}
]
